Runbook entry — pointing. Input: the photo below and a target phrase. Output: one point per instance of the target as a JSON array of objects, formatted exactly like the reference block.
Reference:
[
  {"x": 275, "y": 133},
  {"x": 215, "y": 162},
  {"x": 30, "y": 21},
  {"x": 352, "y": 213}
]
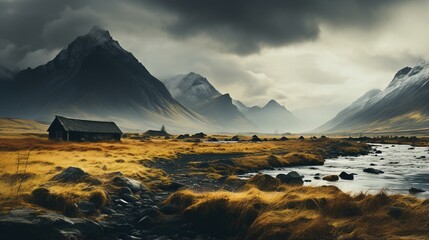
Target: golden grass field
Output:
[
  {"x": 100, "y": 159},
  {"x": 285, "y": 212}
]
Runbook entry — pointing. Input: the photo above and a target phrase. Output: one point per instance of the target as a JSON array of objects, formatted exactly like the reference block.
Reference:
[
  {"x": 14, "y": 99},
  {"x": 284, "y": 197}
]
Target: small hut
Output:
[
  {"x": 156, "y": 133},
  {"x": 68, "y": 129}
]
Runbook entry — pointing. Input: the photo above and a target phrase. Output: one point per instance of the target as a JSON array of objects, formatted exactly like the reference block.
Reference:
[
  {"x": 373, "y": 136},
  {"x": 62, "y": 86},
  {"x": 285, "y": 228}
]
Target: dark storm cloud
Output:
[
  {"x": 30, "y": 25},
  {"x": 246, "y": 26}
]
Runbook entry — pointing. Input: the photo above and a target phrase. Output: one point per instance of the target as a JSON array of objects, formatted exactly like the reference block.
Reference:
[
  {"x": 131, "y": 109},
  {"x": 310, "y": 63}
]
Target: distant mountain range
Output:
[
  {"x": 197, "y": 93},
  {"x": 95, "y": 78},
  {"x": 402, "y": 106}
]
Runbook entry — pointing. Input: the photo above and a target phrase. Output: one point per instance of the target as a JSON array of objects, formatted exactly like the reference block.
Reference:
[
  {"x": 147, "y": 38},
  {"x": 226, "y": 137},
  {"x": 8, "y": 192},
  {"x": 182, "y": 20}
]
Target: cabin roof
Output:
[{"x": 78, "y": 125}]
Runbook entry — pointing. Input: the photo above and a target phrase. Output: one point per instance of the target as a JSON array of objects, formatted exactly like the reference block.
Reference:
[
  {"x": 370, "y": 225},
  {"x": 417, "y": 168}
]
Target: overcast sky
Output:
[{"x": 315, "y": 57}]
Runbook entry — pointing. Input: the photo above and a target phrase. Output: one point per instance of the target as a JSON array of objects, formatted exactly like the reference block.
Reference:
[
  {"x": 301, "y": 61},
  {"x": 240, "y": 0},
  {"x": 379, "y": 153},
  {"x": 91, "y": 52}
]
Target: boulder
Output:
[
  {"x": 292, "y": 178},
  {"x": 172, "y": 186},
  {"x": 255, "y": 139},
  {"x": 331, "y": 178},
  {"x": 414, "y": 190},
  {"x": 346, "y": 176},
  {"x": 372, "y": 171},
  {"x": 132, "y": 184},
  {"x": 87, "y": 208},
  {"x": 264, "y": 182},
  {"x": 273, "y": 161},
  {"x": 75, "y": 175},
  {"x": 235, "y": 138}
]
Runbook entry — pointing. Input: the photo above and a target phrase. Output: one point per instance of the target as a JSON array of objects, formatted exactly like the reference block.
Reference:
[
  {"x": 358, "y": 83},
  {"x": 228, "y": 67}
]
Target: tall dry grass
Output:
[{"x": 305, "y": 213}]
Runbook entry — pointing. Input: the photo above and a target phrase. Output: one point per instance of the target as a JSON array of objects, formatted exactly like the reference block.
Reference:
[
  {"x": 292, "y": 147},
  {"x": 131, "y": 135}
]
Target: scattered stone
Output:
[
  {"x": 87, "y": 208},
  {"x": 414, "y": 190},
  {"x": 307, "y": 180},
  {"x": 346, "y": 176},
  {"x": 378, "y": 151},
  {"x": 129, "y": 198},
  {"x": 255, "y": 139},
  {"x": 284, "y": 138},
  {"x": 372, "y": 171},
  {"x": 212, "y": 139},
  {"x": 264, "y": 182},
  {"x": 75, "y": 175},
  {"x": 124, "y": 190},
  {"x": 301, "y": 138},
  {"x": 292, "y": 178},
  {"x": 274, "y": 161},
  {"x": 132, "y": 184},
  {"x": 235, "y": 138},
  {"x": 331, "y": 178},
  {"x": 372, "y": 164},
  {"x": 317, "y": 177},
  {"x": 172, "y": 186}
]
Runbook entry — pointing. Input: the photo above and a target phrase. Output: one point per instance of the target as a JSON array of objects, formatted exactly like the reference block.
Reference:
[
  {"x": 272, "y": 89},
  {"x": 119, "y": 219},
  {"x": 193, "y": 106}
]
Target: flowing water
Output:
[{"x": 404, "y": 167}]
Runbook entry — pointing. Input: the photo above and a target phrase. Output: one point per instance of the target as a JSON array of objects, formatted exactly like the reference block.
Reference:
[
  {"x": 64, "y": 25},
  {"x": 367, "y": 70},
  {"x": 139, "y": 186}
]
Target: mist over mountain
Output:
[
  {"x": 191, "y": 90},
  {"x": 273, "y": 117},
  {"x": 401, "y": 106},
  {"x": 94, "y": 77},
  {"x": 197, "y": 93}
]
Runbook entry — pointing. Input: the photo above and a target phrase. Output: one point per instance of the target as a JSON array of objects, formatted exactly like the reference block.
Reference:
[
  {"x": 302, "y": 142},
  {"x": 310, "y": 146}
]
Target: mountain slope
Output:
[
  {"x": 401, "y": 106},
  {"x": 272, "y": 117},
  {"x": 192, "y": 90},
  {"x": 15, "y": 125},
  {"x": 95, "y": 77},
  {"x": 224, "y": 113}
]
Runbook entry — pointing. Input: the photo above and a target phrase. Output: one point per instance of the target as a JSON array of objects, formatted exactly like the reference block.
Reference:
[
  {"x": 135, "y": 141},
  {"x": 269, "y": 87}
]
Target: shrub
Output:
[{"x": 99, "y": 198}]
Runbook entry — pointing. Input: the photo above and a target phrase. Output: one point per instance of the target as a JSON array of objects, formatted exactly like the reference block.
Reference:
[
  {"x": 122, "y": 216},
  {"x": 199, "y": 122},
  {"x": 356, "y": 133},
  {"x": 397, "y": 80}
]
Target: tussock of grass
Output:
[{"x": 304, "y": 213}]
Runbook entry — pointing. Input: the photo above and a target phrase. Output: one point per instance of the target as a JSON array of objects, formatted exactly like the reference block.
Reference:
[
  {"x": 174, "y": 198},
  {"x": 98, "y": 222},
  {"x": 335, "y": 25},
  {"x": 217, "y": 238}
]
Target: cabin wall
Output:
[{"x": 84, "y": 136}]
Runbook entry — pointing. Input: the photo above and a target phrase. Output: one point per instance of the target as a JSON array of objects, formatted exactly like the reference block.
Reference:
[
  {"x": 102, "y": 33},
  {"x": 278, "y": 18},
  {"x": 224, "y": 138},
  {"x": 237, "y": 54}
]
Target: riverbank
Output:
[{"x": 126, "y": 190}]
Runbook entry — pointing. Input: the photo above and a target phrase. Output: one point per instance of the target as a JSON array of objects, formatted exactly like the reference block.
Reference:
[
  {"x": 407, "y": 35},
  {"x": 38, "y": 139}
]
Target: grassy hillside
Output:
[{"x": 9, "y": 126}]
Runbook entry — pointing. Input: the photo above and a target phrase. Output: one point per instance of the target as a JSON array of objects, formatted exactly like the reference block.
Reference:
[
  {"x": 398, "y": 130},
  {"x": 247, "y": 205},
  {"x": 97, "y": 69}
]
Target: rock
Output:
[
  {"x": 235, "y": 139},
  {"x": 255, "y": 139},
  {"x": 414, "y": 190},
  {"x": 129, "y": 198},
  {"x": 87, "y": 208},
  {"x": 40, "y": 196},
  {"x": 346, "y": 176},
  {"x": 146, "y": 222},
  {"x": 292, "y": 178},
  {"x": 172, "y": 186},
  {"x": 151, "y": 211},
  {"x": 331, "y": 178},
  {"x": 372, "y": 171},
  {"x": 307, "y": 180},
  {"x": 317, "y": 177},
  {"x": 133, "y": 185},
  {"x": 273, "y": 161},
  {"x": 264, "y": 182},
  {"x": 372, "y": 164},
  {"x": 378, "y": 151},
  {"x": 124, "y": 190},
  {"x": 212, "y": 139},
  {"x": 75, "y": 175},
  {"x": 301, "y": 138}
]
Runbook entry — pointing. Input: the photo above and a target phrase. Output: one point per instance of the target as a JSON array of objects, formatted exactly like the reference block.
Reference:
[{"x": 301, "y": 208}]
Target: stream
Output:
[{"x": 404, "y": 167}]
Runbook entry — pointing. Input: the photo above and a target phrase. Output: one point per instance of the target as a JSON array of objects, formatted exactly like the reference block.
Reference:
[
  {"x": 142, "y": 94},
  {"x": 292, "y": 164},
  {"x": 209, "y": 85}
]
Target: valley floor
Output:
[{"x": 183, "y": 189}]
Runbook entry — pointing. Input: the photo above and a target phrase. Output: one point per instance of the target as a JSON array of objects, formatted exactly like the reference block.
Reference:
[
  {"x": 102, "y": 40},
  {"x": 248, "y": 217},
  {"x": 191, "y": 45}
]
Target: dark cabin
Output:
[{"x": 68, "y": 129}]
